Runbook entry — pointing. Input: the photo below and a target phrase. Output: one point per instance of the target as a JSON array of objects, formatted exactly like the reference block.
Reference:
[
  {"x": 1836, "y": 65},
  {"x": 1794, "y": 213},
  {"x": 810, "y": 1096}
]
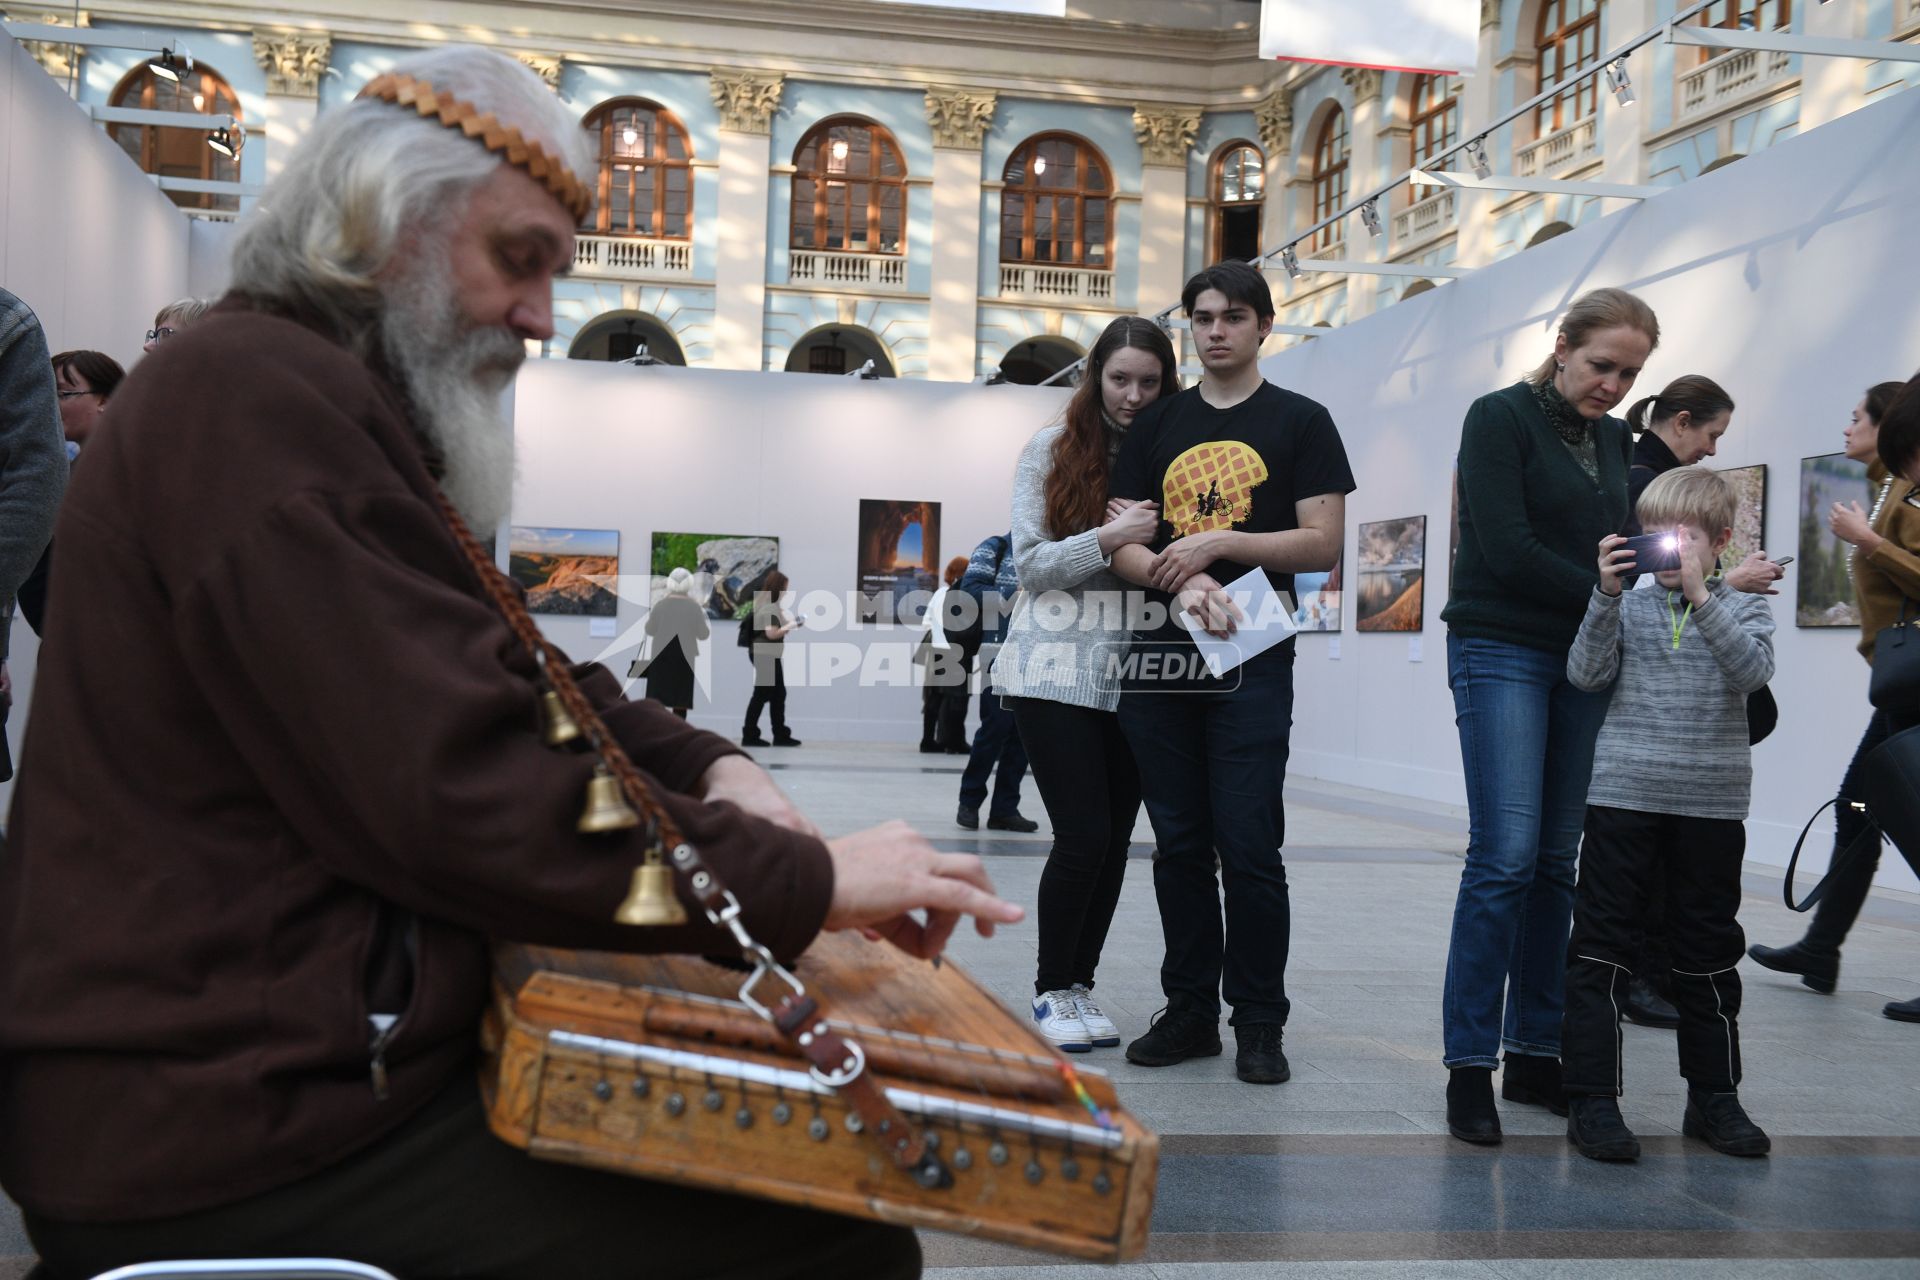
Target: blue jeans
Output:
[
  {"x": 999, "y": 753},
  {"x": 1526, "y": 740},
  {"x": 1212, "y": 765}
]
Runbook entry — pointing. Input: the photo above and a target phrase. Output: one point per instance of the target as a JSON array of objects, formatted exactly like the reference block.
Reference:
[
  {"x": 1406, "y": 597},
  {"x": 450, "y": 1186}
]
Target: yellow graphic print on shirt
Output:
[{"x": 1211, "y": 485}]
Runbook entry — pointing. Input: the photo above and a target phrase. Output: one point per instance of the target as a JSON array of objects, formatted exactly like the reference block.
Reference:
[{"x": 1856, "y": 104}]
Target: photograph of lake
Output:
[
  {"x": 1393, "y": 570},
  {"x": 1825, "y": 593}
]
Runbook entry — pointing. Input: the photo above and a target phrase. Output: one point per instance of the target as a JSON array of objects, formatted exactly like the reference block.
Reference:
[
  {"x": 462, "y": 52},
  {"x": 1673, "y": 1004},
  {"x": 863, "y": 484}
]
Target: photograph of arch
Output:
[
  {"x": 727, "y": 568},
  {"x": 1823, "y": 592},
  {"x": 1393, "y": 570},
  {"x": 1750, "y": 519},
  {"x": 566, "y": 571},
  {"x": 899, "y": 554}
]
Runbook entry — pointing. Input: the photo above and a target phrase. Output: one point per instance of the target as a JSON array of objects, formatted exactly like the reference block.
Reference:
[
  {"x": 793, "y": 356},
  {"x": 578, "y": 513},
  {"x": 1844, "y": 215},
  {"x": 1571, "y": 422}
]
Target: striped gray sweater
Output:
[
  {"x": 1675, "y": 738},
  {"x": 1067, "y": 620}
]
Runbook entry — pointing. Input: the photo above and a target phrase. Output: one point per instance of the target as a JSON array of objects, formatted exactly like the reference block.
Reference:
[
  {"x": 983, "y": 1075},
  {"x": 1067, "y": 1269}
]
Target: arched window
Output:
[
  {"x": 1569, "y": 40},
  {"x": 1330, "y": 175},
  {"x": 1239, "y": 193},
  {"x": 172, "y": 151},
  {"x": 646, "y": 171},
  {"x": 1057, "y": 204},
  {"x": 849, "y": 189},
  {"x": 1435, "y": 116}
]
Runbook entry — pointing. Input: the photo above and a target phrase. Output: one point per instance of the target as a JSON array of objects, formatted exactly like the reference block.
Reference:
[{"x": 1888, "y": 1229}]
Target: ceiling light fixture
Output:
[
  {"x": 1039, "y": 165},
  {"x": 629, "y": 135},
  {"x": 839, "y": 148}
]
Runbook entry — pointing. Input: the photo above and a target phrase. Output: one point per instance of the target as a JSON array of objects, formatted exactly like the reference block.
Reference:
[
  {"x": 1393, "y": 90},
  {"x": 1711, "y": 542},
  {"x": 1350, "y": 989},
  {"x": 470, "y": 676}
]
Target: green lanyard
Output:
[{"x": 1678, "y": 624}]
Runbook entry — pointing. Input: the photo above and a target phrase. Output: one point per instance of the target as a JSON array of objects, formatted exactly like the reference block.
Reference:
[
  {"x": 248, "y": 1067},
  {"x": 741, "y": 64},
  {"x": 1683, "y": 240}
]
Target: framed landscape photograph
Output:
[
  {"x": 899, "y": 554},
  {"x": 566, "y": 571},
  {"x": 727, "y": 568},
  {"x": 1393, "y": 570},
  {"x": 1823, "y": 593}
]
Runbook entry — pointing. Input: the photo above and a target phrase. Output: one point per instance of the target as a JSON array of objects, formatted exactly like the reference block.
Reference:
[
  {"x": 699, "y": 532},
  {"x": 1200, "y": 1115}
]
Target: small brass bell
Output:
[
  {"x": 607, "y": 809},
  {"x": 561, "y": 726},
  {"x": 651, "y": 901}
]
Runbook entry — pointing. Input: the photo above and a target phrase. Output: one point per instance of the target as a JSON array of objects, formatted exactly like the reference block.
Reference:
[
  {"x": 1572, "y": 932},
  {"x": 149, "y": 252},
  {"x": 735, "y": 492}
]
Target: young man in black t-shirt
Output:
[{"x": 1247, "y": 475}]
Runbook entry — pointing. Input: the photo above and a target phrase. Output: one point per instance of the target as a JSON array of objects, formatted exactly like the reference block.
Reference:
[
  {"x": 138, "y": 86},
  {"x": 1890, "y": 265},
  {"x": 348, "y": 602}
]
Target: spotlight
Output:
[
  {"x": 866, "y": 373},
  {"x": 1370, "y": 218},
  {"x": 1291, "y": 261},
  {"x": 174, "y": 62},
  {"x": 1477, "y": 157},
  {"x": 227, "y": 140},
  {"x": 1619, "y": 82}
]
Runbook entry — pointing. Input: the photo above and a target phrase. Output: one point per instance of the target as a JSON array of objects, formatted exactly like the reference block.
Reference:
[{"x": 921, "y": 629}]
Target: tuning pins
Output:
[
  {"x": 607, "y": 808},
  {"x": 561, "y": 727},
  {"x": 651, "y": 900}
]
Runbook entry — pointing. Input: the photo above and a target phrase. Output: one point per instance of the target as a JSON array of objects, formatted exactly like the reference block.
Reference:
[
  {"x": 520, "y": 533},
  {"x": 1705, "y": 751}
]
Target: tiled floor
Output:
[{"x": 1346, "y": 1171}]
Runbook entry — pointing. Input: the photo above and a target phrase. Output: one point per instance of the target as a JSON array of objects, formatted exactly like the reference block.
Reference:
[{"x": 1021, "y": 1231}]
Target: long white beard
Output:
[{"x": 456, "y": 374}]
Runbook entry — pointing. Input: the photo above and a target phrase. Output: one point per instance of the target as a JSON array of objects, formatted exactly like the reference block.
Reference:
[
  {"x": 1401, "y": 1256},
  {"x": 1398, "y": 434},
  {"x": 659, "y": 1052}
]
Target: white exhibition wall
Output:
[{"x": 86, "y": 238}]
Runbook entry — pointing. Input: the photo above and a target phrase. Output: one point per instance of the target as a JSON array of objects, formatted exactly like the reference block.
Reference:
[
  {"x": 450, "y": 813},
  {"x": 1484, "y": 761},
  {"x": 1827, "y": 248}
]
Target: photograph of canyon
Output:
[
  {"x": 1393, "y": 570},
  {"x": 566, "y": 571}
]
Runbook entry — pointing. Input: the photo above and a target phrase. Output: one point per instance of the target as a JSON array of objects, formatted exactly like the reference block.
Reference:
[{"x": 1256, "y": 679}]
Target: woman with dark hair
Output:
[
  {"x": 1543, "y": 477},
  {"x": 770, "y": 628},
  {"x": 943, "y": 696},
  {"x": 1059, "y": 679},
  {"x": 1885, "y": 567},
  {"x": 87, "y": 380}
]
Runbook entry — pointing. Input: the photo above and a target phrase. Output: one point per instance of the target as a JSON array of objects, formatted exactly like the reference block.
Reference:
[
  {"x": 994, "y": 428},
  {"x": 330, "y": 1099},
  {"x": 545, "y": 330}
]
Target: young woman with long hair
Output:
[{"x": 1061, "y": 681}]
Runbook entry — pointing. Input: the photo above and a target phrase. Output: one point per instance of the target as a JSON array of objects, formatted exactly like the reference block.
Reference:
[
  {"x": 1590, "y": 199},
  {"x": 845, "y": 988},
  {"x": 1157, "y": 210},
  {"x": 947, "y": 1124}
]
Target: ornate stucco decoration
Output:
[
  {"x": 1364, "y": 81},
  {"x": 1489, "y": 13},
  {"x": 57, "y": 60},
  {"x": 1274, "y": 113},
  {"x": 547, "y": 68},
  {"x": 1165, "y": 134},
  {"x": 960, "y": 117},
  {"x": 747, "y": 99},
  {"x": 293, "y": 60}
]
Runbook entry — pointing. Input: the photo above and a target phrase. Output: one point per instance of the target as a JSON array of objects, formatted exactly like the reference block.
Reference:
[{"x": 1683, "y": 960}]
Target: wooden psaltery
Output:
[{"x": 650, "y": 1065}]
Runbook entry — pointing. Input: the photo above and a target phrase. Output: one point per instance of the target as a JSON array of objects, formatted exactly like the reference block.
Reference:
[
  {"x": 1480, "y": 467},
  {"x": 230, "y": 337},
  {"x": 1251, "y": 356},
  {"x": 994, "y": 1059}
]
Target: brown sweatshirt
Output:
[
  {"x": 1892, "y": 573},
  {"x": 285, "y": 770}
]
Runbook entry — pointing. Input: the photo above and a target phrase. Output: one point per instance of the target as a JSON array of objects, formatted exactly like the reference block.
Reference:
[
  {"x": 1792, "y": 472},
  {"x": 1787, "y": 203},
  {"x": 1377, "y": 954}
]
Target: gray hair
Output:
[{"x": 370, "y": 172}]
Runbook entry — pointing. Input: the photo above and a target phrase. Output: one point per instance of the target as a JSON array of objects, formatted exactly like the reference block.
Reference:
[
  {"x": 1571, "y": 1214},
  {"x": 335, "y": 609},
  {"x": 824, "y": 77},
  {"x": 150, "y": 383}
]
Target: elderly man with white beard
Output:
[{"x": 286, "y": 777}]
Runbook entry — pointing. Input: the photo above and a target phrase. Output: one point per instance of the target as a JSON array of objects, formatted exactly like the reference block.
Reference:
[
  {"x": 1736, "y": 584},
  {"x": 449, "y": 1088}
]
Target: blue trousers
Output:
[
  {"x": 1526, "y": 740},
  {"x": 997, "y": 750}
]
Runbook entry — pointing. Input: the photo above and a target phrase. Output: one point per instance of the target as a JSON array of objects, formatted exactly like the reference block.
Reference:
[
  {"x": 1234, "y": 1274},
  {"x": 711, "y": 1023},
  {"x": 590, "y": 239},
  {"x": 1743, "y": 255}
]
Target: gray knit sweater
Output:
[
  {"x": 1068, "y": 618},
  {"x": 1675, "y": 738},
  {"x": 33, "y": 457}
]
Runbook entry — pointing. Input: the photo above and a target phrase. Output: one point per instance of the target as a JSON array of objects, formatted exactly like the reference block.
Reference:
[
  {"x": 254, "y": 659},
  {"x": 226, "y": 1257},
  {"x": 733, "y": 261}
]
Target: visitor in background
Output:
[
  {"x": 1543, "y": 477},
  {"x": 174, "y": 317},
  {"x": 991, "y": 580},
  {"x": 943, "y": 693},
  {"x": 86, "y": 381},
  {"x": 771, "y": 626},
  {"x": 1062, "y": 683},
  {"x": 676, "y": 627}
]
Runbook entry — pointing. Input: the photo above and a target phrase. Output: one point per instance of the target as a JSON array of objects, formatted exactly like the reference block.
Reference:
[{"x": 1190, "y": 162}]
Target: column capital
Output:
[
  {"x": 1166, "y": 134},
  {"x": 293, "y": 60},
  {"x": 960, "y": 117},
  {"x": 546, "y": 66},
  {"x": 1364, "y": 81},
  {"x": 1489, "y": 13},
  {"x": 1274, "y": 113},
  {"x": 747, "y": 99},
  {"x": 57, "y": 60}
]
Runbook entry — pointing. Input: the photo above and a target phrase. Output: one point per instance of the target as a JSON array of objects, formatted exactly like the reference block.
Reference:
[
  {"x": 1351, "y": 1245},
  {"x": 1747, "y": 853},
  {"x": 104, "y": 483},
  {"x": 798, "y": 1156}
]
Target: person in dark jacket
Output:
[
  {"x": 981, "y": 601},
  {"x": 288, "y": 790},
  {"x": 676, "y": 627}
]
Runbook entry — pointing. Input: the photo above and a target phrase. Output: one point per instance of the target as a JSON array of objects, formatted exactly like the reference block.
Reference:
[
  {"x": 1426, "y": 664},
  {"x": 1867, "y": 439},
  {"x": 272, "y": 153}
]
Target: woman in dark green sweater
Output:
[{"x": 1543, "y": 477}]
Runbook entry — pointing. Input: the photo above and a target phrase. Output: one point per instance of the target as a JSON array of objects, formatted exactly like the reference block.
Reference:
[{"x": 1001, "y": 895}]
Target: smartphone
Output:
[
  {"x": 1653, "y": 552},
  {"x": 1784, "y": 561}
]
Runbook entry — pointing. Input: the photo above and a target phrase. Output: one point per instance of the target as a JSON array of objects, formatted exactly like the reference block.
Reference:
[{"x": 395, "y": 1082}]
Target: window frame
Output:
[
  {"x": 1427, "y": 142},
  {"x": 823, "y": 180},
  {"x": 1028, "y": 189},
  {"x": 1582, "y": 34},
  {"x": 220, "y": 99},
  {"x": 1329, "y": 176},
  {"x": 1217, "y": 202},
  {"x": 661, "y": 162}
]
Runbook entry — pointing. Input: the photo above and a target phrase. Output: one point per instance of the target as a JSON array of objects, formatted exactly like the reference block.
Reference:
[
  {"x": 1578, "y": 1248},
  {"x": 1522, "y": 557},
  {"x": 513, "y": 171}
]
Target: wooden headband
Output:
[{"x": 504, "y": 140}]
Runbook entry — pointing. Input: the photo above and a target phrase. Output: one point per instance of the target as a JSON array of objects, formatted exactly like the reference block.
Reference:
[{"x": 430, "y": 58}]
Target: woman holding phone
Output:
[
  {"x": 1543, "y": 477},
  {"x": 1057, "y": 680}
]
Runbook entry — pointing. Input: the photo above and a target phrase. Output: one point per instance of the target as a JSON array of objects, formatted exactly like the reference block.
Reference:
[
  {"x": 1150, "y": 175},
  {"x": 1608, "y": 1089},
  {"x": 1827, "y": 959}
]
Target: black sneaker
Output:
[
  {"x": 1819, "y": 972},
  {"x": 785, "y": 740},
  {"x": 1011, "y": 822},
  {"x": 1646, "y": 1007},
  {"x": 968, "y": 817},
  {"x": 1722, "y": 1123},
  {"x": 1175, "y": 1035},
  {"x": 1595, "y": 1127},
  {"x": 1258, "y": 1059}
]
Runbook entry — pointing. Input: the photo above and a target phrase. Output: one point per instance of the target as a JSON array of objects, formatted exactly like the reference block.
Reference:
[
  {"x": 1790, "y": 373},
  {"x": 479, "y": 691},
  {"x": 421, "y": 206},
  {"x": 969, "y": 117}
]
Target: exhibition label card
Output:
[{"x": 1266, "y": 621}]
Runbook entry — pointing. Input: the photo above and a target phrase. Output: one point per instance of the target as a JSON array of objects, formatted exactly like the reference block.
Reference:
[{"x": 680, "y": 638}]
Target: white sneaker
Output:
[
  {"x": 1057, "y": 1015},
  {"x": 1100, "y": 1028}
]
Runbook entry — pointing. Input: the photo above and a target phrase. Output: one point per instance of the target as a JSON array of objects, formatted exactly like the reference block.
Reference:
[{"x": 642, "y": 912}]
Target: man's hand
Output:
[
  {"x": 1755, "y": 575},
  {"x": 1208, "y": 604},
  {"x": 1184, "y": 558},
  {"x": 749, "y": 788},
  {"x": 1615, "y": 563},
  {"x": 884, "y": 873}
]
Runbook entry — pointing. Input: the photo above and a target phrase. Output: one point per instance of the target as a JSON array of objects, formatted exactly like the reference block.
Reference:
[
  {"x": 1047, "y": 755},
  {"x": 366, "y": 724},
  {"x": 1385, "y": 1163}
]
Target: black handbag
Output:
[
  {"x": 1895, "y": 686},
  {"x": 1889, "y": 796}
]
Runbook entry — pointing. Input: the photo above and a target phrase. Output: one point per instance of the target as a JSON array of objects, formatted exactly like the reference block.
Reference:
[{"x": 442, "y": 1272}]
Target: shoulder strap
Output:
[{"x": 1870, "y": 832}]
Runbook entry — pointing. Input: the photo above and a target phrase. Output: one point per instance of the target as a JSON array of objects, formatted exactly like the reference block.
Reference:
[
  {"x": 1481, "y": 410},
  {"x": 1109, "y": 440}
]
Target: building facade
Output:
[{"x": 811, "y": 185}]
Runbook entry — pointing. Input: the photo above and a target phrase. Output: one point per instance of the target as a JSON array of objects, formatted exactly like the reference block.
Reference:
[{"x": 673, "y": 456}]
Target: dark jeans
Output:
[
  {"x": 1698, "y": 859},
  {"x": 1212, "y": 767},
  {"x": 769, "y": 690},
  {"x": 997, "y": 751},
  {"x": 1526, "y": 740},
  {"x": 1852, "y": 875},
  {"x": 943, "y": 716},
  {"x": 1091, "y": 788},
  {"x": 441, "y": 1196}
]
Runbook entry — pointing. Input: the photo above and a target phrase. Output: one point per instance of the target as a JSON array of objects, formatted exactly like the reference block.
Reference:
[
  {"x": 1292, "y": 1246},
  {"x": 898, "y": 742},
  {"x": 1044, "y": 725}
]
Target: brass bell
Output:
[
  {"x": 607, "y": 808},
  {"x": 562, "y": 728},
  {"x": 651, "y": 900}
]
